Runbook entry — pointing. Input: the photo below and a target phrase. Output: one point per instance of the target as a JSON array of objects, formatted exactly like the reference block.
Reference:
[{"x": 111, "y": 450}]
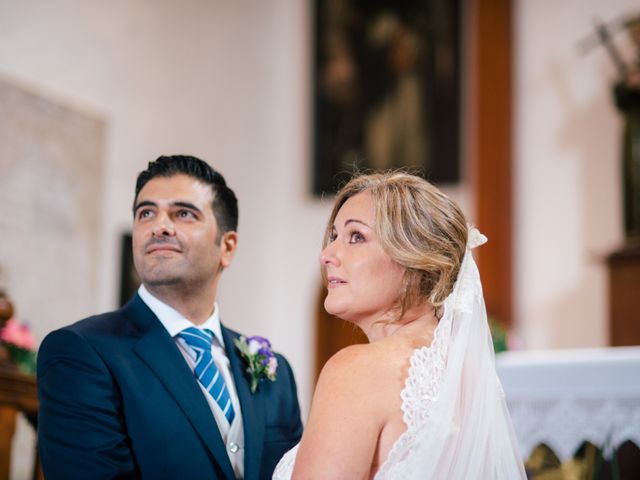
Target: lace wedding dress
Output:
[{"x": 458, "y": 425}]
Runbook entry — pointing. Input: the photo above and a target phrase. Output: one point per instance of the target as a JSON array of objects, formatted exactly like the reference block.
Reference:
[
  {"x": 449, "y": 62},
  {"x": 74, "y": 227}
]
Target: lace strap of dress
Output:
[{"x": 427, "y": 366}]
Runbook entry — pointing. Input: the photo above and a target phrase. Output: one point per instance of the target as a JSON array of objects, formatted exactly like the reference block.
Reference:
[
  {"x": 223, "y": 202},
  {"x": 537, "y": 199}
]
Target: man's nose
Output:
[{"x": 163, "y": 226}]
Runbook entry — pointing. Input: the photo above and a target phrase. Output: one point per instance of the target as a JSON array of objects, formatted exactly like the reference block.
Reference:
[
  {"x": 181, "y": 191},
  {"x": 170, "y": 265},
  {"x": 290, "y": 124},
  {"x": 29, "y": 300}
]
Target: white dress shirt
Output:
[{"x": 174, "y": 322}]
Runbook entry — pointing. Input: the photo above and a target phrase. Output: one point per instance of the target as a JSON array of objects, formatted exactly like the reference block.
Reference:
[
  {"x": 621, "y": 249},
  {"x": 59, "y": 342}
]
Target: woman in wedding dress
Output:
[{"x": 422, "y": 399}]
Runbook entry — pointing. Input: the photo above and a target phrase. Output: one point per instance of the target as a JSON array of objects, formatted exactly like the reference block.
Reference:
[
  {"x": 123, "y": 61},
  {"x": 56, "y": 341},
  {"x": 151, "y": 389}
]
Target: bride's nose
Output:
[{"x": 328, "y": 255}]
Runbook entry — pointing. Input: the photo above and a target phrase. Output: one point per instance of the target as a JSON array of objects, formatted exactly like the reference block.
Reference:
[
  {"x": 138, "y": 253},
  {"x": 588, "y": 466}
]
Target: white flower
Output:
[
  {"x": 254, "y": 346},
  {"x": 271, "y": 367}
]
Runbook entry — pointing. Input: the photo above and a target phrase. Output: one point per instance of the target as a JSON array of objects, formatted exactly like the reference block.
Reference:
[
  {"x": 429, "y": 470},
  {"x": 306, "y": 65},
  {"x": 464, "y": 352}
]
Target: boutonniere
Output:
[{"x": 261, "y": 362}]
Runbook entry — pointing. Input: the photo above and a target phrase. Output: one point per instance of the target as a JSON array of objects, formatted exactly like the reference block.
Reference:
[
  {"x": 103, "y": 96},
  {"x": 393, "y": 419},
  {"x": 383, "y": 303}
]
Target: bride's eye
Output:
[{"x": 356, "y": 237}]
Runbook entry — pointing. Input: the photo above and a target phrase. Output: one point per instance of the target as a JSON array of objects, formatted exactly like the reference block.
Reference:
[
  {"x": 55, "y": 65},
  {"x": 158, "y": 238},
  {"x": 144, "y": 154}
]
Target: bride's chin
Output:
[{"x": 333, "y": 309}]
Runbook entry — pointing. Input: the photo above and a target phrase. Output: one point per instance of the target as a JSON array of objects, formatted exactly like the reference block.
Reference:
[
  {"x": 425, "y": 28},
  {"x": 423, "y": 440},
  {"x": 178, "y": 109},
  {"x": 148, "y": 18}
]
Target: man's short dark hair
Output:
[{"x": 225, "y": 204}]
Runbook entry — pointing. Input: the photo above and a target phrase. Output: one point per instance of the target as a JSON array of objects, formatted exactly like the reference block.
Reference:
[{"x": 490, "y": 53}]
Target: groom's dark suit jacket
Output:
[{"x": 118, "y": 400}]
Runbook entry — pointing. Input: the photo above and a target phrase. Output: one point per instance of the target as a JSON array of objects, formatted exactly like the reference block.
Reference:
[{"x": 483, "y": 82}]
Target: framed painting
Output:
[{"x": 387, "y": 89}]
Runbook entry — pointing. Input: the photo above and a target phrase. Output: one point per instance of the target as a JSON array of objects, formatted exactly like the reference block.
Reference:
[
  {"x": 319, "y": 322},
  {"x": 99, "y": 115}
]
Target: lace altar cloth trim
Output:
[
  {"x": 564, "y": 397},
  {"x": 564, "y": 424}
]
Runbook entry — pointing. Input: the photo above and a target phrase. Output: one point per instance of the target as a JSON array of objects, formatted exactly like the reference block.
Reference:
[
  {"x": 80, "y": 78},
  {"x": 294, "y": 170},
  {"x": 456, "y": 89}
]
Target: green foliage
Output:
[
  {"x": 24, "y": 359},
  {"x": 499, "y": 336}
]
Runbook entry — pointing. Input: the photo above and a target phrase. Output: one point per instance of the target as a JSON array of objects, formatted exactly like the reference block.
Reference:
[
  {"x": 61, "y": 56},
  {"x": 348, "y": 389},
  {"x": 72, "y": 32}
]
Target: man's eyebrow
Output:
[
  {"x": 178, "y": 203},
  {"x": 188, "y": 205},
  {"x": 145, "y": 203}
]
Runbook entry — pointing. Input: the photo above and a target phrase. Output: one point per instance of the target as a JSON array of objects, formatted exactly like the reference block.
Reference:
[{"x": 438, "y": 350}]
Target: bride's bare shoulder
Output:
[
  {"x": 346, "y": 366},
  {"x": 356, "y": 396},
  {"x": 354, "y": 368},
  {"x": 353, "y": 358}
]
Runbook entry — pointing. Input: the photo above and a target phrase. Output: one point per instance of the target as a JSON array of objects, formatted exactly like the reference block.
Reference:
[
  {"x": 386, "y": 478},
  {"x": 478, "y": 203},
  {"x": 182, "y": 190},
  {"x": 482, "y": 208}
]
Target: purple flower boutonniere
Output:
[{"x": 261, "y": 362}]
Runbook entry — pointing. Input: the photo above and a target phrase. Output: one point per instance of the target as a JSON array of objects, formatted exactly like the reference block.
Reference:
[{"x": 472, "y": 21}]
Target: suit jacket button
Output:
[{"x": 233, "y": 447}]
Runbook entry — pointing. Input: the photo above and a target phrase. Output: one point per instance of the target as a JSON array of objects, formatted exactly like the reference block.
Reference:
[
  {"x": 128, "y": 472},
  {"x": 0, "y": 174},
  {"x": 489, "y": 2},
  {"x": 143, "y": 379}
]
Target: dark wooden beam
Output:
[{"x": 490, "y": 50}]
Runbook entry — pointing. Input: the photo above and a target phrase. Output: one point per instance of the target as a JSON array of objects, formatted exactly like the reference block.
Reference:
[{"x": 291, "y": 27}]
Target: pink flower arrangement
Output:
[
  {"x": 17, "y": 334},
  {"x": 18, "y": 341}
]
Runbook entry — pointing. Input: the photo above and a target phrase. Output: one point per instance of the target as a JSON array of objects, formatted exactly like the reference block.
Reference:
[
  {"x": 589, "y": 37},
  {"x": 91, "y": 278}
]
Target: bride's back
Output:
[
  {"x": 363, "y": 385},
  {"x": 391, "y": 359}
]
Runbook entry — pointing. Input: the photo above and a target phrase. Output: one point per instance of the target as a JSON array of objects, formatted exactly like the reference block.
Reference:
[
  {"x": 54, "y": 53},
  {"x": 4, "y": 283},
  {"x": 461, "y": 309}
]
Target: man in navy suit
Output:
[{"x": 126, "y": 394}]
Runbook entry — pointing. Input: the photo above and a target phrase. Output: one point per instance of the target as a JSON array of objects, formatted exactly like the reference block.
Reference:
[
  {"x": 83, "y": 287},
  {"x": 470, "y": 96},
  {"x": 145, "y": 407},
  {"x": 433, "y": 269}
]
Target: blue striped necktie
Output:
[{"x": 206, "y": 370}]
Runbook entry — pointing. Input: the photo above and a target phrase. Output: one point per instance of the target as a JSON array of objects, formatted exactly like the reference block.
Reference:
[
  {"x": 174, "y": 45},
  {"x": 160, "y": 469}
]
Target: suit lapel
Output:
[
  {"x": 252, "y": 405},
  {"x": 159, "y": 352}
]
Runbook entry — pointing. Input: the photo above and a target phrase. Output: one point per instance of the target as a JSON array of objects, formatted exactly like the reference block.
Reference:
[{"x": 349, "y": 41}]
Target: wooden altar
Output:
[{"x": 18, "y": 394}]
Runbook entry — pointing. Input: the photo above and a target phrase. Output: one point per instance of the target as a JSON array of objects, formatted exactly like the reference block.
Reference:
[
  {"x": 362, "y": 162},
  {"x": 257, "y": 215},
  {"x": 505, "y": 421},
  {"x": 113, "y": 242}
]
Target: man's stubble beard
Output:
[{"x": 165, "y": 278}]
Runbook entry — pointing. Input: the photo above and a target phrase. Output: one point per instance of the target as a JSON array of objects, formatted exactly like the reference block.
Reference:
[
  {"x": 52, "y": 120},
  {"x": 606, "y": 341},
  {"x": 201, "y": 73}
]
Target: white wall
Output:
[{"x": 567, "y": 154}]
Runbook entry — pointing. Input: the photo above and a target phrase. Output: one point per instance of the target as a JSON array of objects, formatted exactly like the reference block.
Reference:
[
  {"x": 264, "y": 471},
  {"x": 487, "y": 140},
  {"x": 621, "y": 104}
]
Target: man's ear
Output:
[{"x": 228, "y": 244}]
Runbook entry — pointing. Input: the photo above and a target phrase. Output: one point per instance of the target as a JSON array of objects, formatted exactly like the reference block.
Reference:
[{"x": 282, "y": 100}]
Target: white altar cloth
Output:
[{"x": 564, "y": 397}]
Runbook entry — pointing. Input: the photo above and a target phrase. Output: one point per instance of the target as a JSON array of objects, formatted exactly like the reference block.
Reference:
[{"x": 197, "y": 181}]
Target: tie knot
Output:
[{"x": 199, "y": 340}]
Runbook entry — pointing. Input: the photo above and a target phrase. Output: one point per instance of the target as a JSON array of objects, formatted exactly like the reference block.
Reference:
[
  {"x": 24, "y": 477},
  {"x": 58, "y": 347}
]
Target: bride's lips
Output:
[{"x": 333, "y": 282}]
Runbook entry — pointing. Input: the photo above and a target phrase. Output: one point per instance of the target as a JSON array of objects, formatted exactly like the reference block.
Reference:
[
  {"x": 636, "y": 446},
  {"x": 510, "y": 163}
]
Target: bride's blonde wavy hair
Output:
[{"x": 419, "y": 227}]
